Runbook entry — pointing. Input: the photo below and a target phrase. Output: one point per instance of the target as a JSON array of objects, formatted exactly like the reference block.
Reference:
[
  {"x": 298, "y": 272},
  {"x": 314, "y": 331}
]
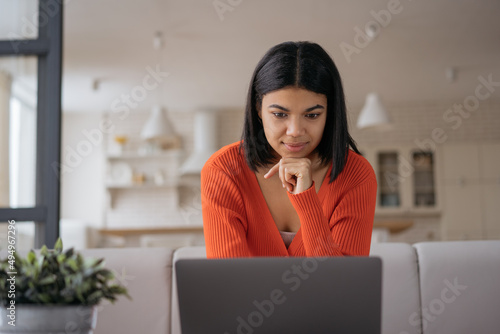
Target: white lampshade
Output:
[
  {"x": 157, "y": 126},
  {"x": 205, "y": 140},
  {"x": 373, "y": 114}
]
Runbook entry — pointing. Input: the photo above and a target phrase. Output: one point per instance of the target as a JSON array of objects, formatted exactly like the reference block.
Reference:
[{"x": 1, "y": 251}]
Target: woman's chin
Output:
[{"x": 296, "y": 155}]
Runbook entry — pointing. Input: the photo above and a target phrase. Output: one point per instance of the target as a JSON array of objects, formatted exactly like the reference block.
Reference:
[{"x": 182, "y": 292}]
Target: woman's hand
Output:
[{"x": 294, "y": 173}]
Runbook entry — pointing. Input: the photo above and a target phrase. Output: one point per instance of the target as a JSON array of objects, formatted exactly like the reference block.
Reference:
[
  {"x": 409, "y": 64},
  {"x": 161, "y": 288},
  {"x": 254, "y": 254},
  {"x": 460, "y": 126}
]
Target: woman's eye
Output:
[
  {"x": 312, "y": 116},
  {"x": 279, "y": 114}
]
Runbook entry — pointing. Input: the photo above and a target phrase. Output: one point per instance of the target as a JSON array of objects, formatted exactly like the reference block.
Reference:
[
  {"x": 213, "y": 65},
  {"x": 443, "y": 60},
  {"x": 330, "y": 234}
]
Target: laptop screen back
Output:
[{"x": 280, "y": 295}]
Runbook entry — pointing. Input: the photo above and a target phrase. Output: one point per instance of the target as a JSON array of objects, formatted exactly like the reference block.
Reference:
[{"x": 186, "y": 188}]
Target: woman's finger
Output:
[
  {"x": 272, "y": 171},
  {"x": 289, "y": 177},
  {"x": 297, "y": 175}
]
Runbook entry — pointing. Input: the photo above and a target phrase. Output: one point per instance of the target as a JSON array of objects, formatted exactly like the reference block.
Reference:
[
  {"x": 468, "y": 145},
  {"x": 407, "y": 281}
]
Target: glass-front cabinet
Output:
[
  {"x": 389, "y": 190},
  {"x": 407, "y": 179},
  {"x": 424, "y": 188}
]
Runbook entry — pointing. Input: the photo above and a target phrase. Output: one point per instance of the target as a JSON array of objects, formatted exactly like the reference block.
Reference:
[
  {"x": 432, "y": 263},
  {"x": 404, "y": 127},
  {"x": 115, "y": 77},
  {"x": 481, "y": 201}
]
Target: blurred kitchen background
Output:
[{"x": 152, "y": 88}]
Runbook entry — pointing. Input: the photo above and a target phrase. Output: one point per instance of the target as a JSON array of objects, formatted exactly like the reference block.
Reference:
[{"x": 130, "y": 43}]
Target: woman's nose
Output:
[{"x": 294, "y": 128}]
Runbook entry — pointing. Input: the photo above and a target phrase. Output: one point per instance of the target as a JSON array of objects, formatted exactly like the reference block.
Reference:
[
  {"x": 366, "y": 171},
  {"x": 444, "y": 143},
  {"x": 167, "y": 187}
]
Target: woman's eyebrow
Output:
[
  {"x": 277, "y": 106},
  {"x": 318, "y": 106}
]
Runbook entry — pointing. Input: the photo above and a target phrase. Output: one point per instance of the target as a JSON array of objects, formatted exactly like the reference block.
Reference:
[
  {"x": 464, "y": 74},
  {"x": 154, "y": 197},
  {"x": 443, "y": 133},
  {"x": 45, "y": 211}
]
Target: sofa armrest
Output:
[
  {"x": 197, "y": 252},
  {"x": 147, "y": 274},
  {"x": 400, "y": 294}
]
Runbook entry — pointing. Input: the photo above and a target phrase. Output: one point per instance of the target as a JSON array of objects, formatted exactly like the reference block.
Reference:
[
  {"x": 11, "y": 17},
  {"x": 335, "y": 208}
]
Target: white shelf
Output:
[
  {"x": 142, "y": 186},
  {"x": 135, "y": 155}
]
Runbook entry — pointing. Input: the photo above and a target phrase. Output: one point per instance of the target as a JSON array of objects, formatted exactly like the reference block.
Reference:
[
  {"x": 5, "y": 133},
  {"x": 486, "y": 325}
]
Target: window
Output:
[{"x": 30, "y": 111}]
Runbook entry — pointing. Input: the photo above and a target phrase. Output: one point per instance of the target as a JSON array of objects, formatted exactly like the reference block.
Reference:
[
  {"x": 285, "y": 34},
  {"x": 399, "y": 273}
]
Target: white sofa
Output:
[{"x": 432, "y": 287}]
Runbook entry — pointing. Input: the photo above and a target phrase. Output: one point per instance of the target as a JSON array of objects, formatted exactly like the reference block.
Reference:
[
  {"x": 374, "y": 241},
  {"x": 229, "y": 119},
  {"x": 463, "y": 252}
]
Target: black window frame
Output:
[{"x": 48, "y": 48}]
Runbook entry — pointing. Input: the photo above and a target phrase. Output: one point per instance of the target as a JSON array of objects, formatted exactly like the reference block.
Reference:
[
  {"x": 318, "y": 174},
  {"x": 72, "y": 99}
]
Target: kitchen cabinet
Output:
[
  {"x": 489, "y": 157},
  {"x": 471, "y": 186},
  {"x": 407, "y": 180}
]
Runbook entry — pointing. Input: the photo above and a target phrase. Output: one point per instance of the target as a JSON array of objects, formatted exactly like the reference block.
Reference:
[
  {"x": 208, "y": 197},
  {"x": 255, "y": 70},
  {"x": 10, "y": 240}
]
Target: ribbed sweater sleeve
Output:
[
  {"x": 316, "y": 234},
  {"x": 347, "y": 232},
  {"x": 223, "y": 223}
]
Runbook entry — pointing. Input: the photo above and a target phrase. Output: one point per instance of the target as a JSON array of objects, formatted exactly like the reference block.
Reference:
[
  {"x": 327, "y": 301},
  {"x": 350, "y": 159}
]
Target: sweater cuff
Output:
[{"x": 305, "y": 201}]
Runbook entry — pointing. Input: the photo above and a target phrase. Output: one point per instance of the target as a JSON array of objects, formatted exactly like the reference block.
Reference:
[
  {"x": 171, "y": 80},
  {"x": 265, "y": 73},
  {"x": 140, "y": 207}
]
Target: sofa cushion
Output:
[
  {"x": 197, "y": 252},
  {"x": 459, "y": 285},
  {"x": 400, "y": 296},
  {"x": 147, "y": 274}
]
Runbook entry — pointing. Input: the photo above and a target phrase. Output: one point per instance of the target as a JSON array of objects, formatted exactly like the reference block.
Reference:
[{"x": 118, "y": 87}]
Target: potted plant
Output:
[{"x": 54, "y": 292}]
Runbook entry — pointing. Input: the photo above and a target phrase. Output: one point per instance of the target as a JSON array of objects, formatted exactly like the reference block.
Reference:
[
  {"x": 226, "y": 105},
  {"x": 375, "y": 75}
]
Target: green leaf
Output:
[
  {"x": 95, "y": 296},
  {"x": 58, "y": 246},
  {"x": 47, "y": 280},
  {"x": 70, "y": 252},
  {"x": 72, "y": 264},
  {"x": 44, "y": 251},
  {"x": 31, "y": 257},
  {"x": 44, "y": 298},
  {"x": 97, "y": 262},
  {"x": 107, "y": 274},
  {"x": 61, "y": 258}
]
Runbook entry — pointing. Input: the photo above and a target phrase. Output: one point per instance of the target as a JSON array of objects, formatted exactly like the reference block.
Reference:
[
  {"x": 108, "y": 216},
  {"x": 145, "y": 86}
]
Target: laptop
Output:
[{"x": 280, "y": 295}]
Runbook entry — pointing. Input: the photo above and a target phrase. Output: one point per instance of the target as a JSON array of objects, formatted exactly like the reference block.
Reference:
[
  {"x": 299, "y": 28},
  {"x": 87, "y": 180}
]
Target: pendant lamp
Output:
[
  {"x": 157, "y": 129},
  {"x": 374, "y": 114}
]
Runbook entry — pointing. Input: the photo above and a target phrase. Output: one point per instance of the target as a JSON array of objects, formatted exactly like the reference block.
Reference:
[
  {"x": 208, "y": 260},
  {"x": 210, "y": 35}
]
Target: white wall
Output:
[
  {"x": 5, "y": 83},
  {"x": 82, "y": 192},
  {"x": 414, "y": 123}
]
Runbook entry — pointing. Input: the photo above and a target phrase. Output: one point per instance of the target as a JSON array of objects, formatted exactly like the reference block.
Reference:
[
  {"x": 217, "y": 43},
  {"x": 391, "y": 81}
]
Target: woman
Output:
[{"x": 292, "y": 186}]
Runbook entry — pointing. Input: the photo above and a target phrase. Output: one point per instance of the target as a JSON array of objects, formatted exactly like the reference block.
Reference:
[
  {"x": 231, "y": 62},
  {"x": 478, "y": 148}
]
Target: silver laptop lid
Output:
[{"x": 280, "y": 295}]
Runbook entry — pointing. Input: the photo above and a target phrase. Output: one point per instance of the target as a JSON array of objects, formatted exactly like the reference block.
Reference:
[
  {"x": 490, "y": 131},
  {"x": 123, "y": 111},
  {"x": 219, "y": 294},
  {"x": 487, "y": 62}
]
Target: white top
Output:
[{"x": 287, "y": 237}]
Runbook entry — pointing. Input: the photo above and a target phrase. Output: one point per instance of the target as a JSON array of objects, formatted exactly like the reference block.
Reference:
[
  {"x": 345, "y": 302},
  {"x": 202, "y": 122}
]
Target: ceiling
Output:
[{"x": 210, "y": 56}]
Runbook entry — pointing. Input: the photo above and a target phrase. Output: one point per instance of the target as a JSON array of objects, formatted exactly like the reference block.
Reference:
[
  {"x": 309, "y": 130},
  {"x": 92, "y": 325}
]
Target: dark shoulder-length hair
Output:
[{"x": 303, "y": 65}]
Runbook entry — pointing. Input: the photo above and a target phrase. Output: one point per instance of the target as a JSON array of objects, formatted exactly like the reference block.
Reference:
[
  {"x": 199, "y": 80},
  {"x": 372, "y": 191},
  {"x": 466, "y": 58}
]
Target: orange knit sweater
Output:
[{"x": 336, "y": 221}]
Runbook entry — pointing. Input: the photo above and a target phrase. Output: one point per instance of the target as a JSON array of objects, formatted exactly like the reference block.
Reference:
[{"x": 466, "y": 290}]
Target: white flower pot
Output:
[{"x": 42, "y": 319}]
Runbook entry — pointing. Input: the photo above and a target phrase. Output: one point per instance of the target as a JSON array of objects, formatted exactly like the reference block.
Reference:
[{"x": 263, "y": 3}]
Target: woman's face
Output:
[{"x": 293, "y": 120}]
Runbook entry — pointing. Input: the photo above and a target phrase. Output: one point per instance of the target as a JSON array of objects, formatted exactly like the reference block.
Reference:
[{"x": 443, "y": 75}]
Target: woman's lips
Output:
[{"x": 295, "y": 147}]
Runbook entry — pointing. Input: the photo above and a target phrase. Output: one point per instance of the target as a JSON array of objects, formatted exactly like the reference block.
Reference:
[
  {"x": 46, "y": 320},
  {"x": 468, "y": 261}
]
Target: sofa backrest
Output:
[
  {"x": 460, "y": 286},
  {"x": 456, "y": 282},
  {"x": 400, "y": 296}
]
